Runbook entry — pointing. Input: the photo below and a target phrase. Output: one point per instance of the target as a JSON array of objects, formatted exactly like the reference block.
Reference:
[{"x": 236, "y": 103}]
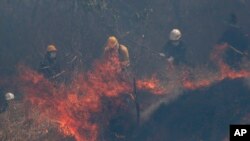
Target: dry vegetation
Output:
[
  {"x": 80, "y": 28},
  {"x": 15, "y": 126}
]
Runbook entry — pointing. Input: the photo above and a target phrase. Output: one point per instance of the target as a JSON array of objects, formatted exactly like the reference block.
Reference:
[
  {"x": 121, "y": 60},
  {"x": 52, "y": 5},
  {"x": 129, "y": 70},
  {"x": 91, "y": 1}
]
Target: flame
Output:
[
  {"x": 74, "y": 106},
  {"x": 225, "y": 72},
  {"x": 152, "y": 85}
]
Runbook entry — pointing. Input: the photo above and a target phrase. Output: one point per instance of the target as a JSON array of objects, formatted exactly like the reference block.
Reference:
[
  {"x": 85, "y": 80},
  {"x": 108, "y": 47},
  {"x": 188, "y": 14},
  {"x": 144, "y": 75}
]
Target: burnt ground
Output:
[{"x": 80, "y": 28}]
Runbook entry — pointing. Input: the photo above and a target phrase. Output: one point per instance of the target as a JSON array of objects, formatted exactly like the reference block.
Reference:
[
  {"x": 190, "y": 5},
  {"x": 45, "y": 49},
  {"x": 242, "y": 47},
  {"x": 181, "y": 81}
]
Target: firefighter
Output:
[
  {"x": 174, "y": 50},
  {"x": 4, "y": 98},
  {"x": 114, "y": 48},
  {"x": 50, "y": 67},
  {"x": 236, "y": 41}
]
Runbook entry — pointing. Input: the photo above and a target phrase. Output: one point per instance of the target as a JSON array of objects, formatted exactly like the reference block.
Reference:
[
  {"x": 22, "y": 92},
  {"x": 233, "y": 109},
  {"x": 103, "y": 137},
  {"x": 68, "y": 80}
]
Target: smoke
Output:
[
  {"x": 156, "y": 103},
  {"x": 181, "y": 79},
  {"x": 174, "y": 85},
  {"x": 79, "y": 109},
  {"x": 82, "y": 108}
]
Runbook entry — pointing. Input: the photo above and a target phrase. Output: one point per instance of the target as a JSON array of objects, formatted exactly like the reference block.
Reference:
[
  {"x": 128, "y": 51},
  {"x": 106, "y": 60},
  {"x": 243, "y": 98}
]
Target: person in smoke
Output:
[
  {"x": 236, "y": 41},
  {"x": 114, "y": 49},
  {"x": 4, "y": 98},
  {"x": 3, "y": 102},
  {"x": 50, "y": 67},
  {"x": 174, "y": 50},
  {"x": 120, "y": 124}
]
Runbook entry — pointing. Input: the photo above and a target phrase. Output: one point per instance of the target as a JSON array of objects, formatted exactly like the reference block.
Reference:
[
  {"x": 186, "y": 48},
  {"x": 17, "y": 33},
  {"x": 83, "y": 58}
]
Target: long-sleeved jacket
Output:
[
  {"x": 49, "y": 68},
  {"x": 236, "y": 39},
  {"x": 177, "y": 52},
  {"x": 3, "y": 102}
]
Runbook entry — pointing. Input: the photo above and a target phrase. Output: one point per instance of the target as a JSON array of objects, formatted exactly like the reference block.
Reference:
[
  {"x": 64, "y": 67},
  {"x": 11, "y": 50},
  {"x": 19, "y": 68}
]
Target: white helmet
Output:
[
  {"x": 175, "y": 35},
  {"x": 9, "y": 96}
]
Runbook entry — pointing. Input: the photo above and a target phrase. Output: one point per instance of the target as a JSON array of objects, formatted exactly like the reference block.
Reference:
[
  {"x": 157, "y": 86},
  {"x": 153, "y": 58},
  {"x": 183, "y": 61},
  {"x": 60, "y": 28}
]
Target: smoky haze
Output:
[{"x": 81, "y": 28}]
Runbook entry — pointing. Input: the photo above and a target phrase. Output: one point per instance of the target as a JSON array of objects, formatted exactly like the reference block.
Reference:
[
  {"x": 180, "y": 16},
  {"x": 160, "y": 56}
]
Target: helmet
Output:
[
  {"x": 112, "y": 41},
  {"x": 175, "y": 35},
  {"x": 51, "y": 48},
  {"x": 9, "y": 96}
]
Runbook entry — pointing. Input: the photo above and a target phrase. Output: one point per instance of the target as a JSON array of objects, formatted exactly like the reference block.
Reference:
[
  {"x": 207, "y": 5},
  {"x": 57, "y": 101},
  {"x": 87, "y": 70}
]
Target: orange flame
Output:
[
  {"x": 225, "y": 71},
  {"x": 73, "y": 107},
  {"x": 152, "y": 85}
]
